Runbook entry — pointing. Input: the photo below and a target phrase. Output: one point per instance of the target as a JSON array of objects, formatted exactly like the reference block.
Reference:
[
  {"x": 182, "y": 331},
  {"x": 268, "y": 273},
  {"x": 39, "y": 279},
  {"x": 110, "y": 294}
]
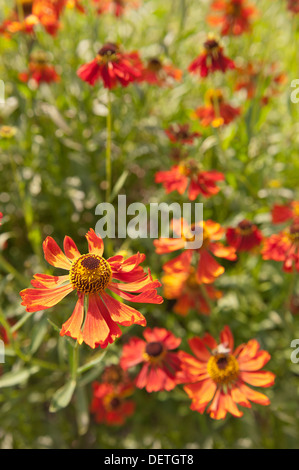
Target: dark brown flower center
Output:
[
  {"x": 154, "y": 64},
  {"x": 211, "y": 44},
  {"x": 294, "y": 231},
  {"x": 108, "y": 49},
  {"x": 26, "y": 6},
  {"x": 154, "y": 349},
  {"x": 222, "y": 363},
  {"x": 90, "y": 274},
  {"x": 115, "y": 403},
  {"x": 245, "y": 227}
]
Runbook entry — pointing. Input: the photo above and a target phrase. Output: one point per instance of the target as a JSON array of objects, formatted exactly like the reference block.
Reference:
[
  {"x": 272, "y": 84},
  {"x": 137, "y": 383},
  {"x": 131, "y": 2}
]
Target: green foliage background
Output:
[{"x": 51, "y": 179}]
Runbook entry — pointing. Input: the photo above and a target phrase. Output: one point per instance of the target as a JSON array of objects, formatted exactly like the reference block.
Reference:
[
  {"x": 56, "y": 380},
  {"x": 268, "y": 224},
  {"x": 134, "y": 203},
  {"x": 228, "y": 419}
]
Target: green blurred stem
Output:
[
  {"x": 108, "y": 149},
  {"x": 6, "y": 266}
]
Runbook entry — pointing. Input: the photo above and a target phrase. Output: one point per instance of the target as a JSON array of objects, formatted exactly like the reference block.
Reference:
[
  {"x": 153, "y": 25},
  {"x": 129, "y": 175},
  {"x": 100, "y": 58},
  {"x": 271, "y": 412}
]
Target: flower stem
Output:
[{"x": 108, "y": 150}]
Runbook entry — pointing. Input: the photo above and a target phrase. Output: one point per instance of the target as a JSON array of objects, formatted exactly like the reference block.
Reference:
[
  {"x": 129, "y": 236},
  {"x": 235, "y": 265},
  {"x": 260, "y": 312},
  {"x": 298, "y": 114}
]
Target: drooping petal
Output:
[
  {"x": 46, "y": 280},
  {"x": 72, "y": 327},
  {"x": 121, "y": 313},
  {"x": 54, "y": 255},
  {"x": 41, "y": 299}
]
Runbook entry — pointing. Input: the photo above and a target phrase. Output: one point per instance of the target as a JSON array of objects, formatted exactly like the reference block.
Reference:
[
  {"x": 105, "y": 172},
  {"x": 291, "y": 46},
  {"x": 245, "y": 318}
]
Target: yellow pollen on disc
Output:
[
  {"x": 90, "y": 274},
  {"x": 223, "y": 368}
]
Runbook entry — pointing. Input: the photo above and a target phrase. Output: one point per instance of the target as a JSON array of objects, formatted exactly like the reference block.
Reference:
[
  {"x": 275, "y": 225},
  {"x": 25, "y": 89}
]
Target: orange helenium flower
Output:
[
  {"x": 159, "y": 363},
  {"x": 235, "y": 16},
  {"x": 189, "y": 173},
  {"x": 91, "y": 276},
  {"x": 112, "y": 66},
  {"x": 219, "y": 374},
  {"x": 157, "y": 73},
  {"x": 216, "y": 111},
  {"x": 284, "y": 247},
  {"x": 189, "y": 293},
  {"x": 244, "y": 237},
  {"x": 212, "y": 59},
  {"x": 109, "y": 403},
  {"x": 208, "y": 269}
]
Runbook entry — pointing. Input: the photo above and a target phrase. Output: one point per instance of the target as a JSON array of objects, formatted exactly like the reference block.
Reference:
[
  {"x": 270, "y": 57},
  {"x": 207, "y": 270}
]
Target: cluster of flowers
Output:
[{"x": 216, "y": 376}]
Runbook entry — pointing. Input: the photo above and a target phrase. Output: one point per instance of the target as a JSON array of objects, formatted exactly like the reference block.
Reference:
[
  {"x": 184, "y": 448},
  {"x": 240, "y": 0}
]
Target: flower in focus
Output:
[
  {"x": 284, "y": 247},
  {"x": 216, "y": 111},
  {"x": 219, "y": 374},
  {"x": 208, "y": 269},
  {"x": 293, "y": 6},
  {"x": 40, "y": 71},
  {"x": 157, "y": 73},
  {"x": 110, "y": 404},
  {"x": 212, "y": 59},
  {"x": 180, "y": 133},
  {"x": 284, "y": 212},
  {"x": 112, "y": 66},
  {"x": 188, "y": 292},
  {"x": 244, "y": 237},
  {"x": 159, "y": 363},
  {"x": 234, "y": 18},
  {"x": 116, "y": 7},
  {"x": 179, "y": 177},
  {"x": 91, "y": 276}
]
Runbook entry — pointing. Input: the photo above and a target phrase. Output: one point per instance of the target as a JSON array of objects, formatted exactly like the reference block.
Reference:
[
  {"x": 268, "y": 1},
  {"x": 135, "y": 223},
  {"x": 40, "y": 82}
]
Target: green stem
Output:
[
  {"x": 108, "y": 150},
  {"x": 6, "y": 266}
]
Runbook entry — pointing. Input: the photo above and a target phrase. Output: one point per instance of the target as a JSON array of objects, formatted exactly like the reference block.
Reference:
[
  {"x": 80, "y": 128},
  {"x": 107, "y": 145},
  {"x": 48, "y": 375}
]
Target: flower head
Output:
[
  {"x": 91, "y": 276},
  {"x": 245, "y": 236},
  {"x": 158, "y": 73},
  {"x": 112, "y": 66},
  {"x": 234, "y": 18},
  {"x": 188, "y": 292},
  {"x": 40, "y": 71},
  {"x": 110, "y": 404},
  {"x": 188, "y": 172},
  {"x": 219, "y": 374},
  {"x": 211, "y": 59},
  {"x": 159, "y": 363},
  {"x": 180, "y": 133},
  {"x": 284, "y": 247},
  {"x": 216, "y": 111},
  {"x": 208, "y": 269}
]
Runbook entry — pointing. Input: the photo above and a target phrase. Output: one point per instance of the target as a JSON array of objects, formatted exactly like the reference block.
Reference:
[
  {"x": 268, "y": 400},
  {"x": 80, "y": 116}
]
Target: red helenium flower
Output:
[
  {"x": 180, "y": 133},
  {"x": 284, "y": 247},
  {"x": 159, "y": 363},
  {"x": 110, "y": 404},
  {"x": 208, "y": 269},
  {"x": 235, "y": 16},
  {"x": 216, "y": 111},
  {"x": 244, "y": 237},
  {"x": 39, "y": 71},
  {"x": 284, "y": 212},
  {"x": 91, "y": 276},
  {"x": 293, "y": 6},
  {"x": 157, "y": 73},
  {"x": 212, "y": 59},
  {"x": 189, "y": 173},
  {"x": 219, "y": 374},
  {"x": 112, "y": 66},
  {"x": 116, "y": 7}
]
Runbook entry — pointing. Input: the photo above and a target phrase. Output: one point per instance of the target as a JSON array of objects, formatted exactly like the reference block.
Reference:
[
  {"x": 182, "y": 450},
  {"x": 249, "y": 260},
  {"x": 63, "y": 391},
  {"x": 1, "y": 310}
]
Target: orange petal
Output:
[
  {"x": 70, "y": 248},
  {"x": 259, "y": 379},
  {"x": 72, "y": 327},
  {"x": 46, "y": 280},
  {"x": 253, "y": 395},
  {"x": 122, "y": 313},
  {"x": 208, "y": 269},
  {"x": 54, "y": 255},
  {"x": 95, "y": 243},
  {"x": 41, "y": 299}
]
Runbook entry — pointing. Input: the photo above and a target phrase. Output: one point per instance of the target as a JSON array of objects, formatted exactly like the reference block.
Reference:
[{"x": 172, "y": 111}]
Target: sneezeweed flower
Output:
[
  {"x": 29, "y": 13},
  {"x": 293, "y": 6},
  {"x": 155, "y": 72},
  {"x": 7, "y": 132},
  {"x": 188, "y": 292},
  {"x": 115, "y": 375},
  {"x": 160, "y": 363},
  {"x": 40, "y": 70},
  {"x": 216, "y": 112},
  {"x": 219, "y": 374},
  {"x": 234, "y": 16},
  {"x": 112, "y": 66},
  {"x": 244, "y": 237},
  {"x": 116, "y": 7},
  {"x": 284, "y": 247},
  {"x": 211, "y": 59},
  {"x": 110, "y": 404},
  {"x": 284, "y": 212},
  {"x": 189, "y": 173},
  {"x": 208, "y": 269},
  {"x": 181, "y": 134},
  {"x": 91, "y": 276}
]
